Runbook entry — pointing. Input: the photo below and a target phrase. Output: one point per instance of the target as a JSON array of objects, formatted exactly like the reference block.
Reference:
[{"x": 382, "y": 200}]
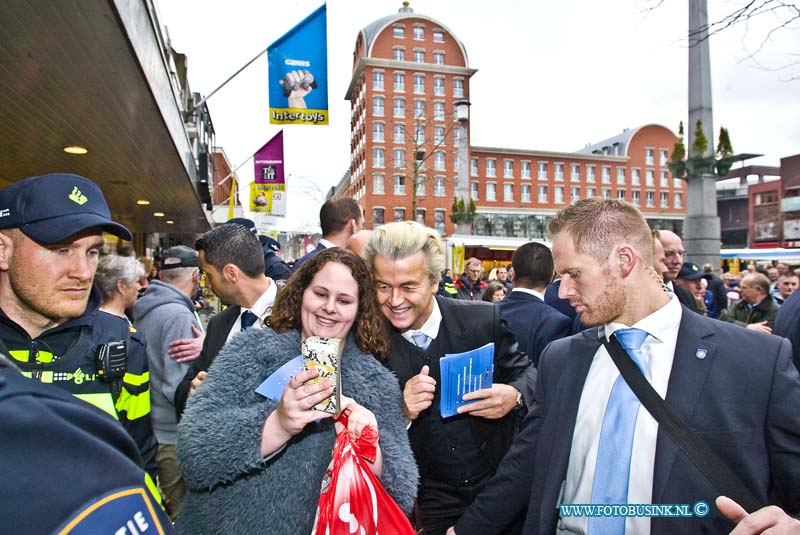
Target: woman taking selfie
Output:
[{"x": 256, "y": 465}]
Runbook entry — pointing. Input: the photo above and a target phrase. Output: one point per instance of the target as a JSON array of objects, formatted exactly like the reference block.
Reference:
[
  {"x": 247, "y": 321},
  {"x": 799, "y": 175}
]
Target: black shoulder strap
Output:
[{"x": 708, "y": 462}]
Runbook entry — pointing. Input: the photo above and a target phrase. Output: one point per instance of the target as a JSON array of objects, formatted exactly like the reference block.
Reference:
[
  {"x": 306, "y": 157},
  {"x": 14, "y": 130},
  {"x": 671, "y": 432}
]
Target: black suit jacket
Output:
[
  {"x": 717, "y": 287},
  {"x": 306, "y": 257},
  {"x": 468, "y": 325},
  {"x": 533, "y": 322},
  {"x": 686, "y": 298},
  {"x": 216, "y": 335},
  {"x": 552, "y": 299},
  {"x": 741, "y": 398},
  {"x": 787, "y": 324},
  {"x": 274, "y": 267}
]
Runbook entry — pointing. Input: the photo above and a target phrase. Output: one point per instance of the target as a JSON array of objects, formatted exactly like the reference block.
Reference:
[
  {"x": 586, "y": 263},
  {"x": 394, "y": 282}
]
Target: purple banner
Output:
[{"x": 268, "y": 162}]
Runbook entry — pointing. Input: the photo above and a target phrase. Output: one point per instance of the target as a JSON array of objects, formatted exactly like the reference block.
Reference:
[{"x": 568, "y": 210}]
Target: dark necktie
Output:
[
  {"x": 248, "y": 319},
  {"x": 613, "y": 466}
]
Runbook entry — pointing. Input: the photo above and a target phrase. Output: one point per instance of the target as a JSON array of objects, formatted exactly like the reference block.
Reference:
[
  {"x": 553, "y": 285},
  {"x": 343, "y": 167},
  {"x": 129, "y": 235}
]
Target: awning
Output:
[
  {"x": 497, "y": 243},
  {"x": 776, "y": 253}
]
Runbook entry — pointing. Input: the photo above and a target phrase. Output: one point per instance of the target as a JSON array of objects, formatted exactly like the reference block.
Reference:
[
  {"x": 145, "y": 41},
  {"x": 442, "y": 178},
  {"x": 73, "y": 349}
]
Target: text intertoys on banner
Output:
[{"x": 298, "y": 73}]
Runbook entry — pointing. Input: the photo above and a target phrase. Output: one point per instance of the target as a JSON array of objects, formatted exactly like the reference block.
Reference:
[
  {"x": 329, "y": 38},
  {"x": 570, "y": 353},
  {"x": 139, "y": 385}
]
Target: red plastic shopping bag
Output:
[{"x": 353, "y": 501}]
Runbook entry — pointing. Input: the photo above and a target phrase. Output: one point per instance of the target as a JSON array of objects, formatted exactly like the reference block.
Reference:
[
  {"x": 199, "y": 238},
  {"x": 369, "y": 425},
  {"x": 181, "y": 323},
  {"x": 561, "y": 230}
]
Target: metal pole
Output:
[
  {"x": 700, "y": 100},
  {"x": 701, "y": 228},
  {"x": 229, "y": 175},
  {"x": 231, "y": 77}
]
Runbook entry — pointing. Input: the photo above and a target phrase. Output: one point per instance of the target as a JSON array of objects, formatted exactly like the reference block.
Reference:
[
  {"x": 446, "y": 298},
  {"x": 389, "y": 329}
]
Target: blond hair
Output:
[
  {"x": 401, "y": 239},
  {"x": 597, "y": 226}
]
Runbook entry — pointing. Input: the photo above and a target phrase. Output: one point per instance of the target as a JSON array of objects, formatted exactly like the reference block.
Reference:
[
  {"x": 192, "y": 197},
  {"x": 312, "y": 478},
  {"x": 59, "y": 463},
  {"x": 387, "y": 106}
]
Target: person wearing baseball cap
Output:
[
  {"x": 274, "y": 266},
  {"x": 689, "y": 279},
  {"x": 51, "y": 208},
  {"x": 51, "y": 234},
  {"x": 165, "y": 313}
]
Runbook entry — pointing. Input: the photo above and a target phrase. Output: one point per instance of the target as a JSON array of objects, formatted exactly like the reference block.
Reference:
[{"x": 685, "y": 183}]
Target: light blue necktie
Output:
[
  {"x": 613, "y": 466},
  {"x": 248, "y": 319},
  {"x": 421, "y": 340}
]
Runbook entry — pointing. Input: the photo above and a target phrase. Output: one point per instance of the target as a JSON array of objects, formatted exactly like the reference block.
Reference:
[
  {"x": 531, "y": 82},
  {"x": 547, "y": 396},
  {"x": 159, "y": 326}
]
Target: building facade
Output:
[
  {"x": 408, "y": 148},
  {"x": 790, "y": 200}
]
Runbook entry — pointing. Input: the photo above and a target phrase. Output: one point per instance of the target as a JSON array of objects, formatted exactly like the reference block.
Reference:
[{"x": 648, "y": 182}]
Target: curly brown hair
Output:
[{"x": 371, "y": 331}]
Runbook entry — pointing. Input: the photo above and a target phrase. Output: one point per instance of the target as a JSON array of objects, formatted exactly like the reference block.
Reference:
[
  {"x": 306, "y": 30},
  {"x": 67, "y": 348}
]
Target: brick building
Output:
[{"x": 409, "y": 72}]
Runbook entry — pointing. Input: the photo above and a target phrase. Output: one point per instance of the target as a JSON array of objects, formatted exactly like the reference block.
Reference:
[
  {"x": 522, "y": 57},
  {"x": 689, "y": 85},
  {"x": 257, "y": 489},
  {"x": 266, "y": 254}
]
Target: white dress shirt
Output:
[
  {"x": 540, "y": 295},
  {"x": 261, "y": 308},
  {"x": 658, "y": 350},
  {"x": 430, "y": 327}
]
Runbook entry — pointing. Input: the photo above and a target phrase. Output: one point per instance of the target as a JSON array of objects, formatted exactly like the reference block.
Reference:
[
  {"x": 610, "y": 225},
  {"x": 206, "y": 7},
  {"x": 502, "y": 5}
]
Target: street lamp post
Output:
[{"x": 462, "y": 179}]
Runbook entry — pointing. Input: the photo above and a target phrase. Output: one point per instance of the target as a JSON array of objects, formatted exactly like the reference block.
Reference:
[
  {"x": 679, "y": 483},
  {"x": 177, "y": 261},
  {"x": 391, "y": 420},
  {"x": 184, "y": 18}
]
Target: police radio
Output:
[{"x": 111, "y": 361}]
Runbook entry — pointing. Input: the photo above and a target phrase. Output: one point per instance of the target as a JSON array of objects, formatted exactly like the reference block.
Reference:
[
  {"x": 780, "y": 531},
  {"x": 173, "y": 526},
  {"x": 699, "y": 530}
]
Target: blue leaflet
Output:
[
  {"x": 462, "y": 373},
  {"x": 275, "y": 384}
]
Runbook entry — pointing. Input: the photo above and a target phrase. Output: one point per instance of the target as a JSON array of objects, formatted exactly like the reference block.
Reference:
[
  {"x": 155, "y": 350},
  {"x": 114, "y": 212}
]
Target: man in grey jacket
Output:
[{"x": 165, "y": 313}]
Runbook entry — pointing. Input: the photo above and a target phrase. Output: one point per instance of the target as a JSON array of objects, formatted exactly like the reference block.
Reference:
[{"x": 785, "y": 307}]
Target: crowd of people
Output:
[{"x": 183, "y": 438}]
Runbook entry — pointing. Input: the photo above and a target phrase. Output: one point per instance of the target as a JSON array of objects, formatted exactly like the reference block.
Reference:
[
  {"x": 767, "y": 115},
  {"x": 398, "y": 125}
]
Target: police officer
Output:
[
  {"x": 51, "y": 233},
  {"x": 274, "y": 266},
  {"x": 92, "y": 483}
]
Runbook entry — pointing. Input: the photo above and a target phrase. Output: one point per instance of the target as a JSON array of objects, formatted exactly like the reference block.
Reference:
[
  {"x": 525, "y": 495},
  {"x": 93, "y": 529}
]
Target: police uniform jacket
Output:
[
  {"x": 65, "y": 357},
  {"x": 68, "y": 467}
]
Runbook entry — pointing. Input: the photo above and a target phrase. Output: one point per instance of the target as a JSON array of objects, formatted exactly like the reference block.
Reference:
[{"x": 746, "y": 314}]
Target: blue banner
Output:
[{"x": 298, "y": 73}]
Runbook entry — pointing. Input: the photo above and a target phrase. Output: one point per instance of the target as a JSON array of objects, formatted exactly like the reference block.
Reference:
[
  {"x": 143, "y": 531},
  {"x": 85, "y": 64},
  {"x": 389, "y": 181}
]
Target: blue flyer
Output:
[
  {"x": 462, "y": 373},
  {"x": 275, "y": 384}
]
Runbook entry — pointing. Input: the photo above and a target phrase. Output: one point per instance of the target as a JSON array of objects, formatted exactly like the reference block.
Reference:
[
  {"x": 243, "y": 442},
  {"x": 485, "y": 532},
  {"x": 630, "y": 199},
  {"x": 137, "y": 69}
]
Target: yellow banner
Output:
[
  {"x": 268, "y": 199},
  {"x": 458, "y": 260},
  {"x": 297, "y": 116}
]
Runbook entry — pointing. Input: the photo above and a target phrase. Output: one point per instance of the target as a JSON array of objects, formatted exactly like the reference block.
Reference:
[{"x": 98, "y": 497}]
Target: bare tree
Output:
[
  {"x": 430, "y": 138},
  {"x": 779, "y": 16},
  {"x": 307, "y": 187}
]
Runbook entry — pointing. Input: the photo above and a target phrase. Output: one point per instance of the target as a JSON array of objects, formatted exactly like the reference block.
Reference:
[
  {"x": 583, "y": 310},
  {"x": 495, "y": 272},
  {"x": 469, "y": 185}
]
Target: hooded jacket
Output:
[{"x": 164, "y": 314}]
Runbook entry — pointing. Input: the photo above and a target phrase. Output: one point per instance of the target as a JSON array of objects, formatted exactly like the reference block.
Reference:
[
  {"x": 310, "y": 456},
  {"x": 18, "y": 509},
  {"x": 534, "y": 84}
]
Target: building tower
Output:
[
  {"x": 409, "y": 71},
  {"x": 408, "y": 88}
]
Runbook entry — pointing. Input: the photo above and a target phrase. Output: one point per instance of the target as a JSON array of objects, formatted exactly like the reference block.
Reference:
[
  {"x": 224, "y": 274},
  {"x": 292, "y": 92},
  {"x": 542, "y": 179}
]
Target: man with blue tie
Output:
[
  {"x": 533, "y": 322},
  {"x": 232, "y": 259},
  {"x": 587, "y": 439},
  {"x": 456, "y": 455}
]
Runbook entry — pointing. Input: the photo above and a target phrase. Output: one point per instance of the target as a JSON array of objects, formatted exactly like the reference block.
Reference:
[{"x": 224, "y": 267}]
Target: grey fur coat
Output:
[{"x": 234, "y": 490}]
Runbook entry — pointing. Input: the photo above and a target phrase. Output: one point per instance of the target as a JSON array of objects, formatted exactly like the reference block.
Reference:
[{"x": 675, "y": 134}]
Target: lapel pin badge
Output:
[{"x": 700, "y": 354}]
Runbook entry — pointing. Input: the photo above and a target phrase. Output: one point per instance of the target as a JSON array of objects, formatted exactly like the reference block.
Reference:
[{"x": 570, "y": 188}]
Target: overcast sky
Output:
[{"x": 551, "y": 76}]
